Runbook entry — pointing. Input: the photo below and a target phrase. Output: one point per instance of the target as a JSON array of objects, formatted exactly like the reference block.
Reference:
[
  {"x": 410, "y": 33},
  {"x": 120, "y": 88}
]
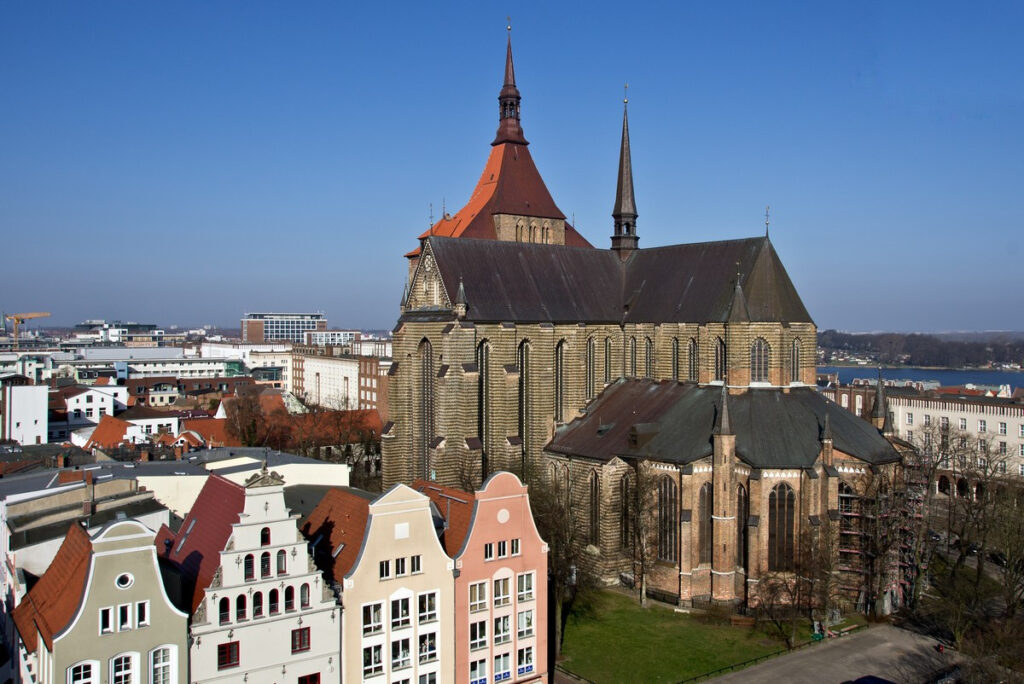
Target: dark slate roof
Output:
[
  {"x": 773, "y": 428},
  {"x": 692, "y": 283}
]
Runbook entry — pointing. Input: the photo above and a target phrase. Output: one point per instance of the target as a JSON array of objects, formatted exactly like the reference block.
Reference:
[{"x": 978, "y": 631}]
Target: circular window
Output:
[{"x": 124, "y": 580}]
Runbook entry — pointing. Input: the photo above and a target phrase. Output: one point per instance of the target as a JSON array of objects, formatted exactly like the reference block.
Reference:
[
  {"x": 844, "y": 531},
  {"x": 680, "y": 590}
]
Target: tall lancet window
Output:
[
  {"x": 648, "y": 358},
  {"x": 705, "y": 507},
  {"x": 719, "y": 359},
  {"x": 483, "y": 402},
  {"x": 794, "y": 362},
  {"x": 560, "y": 382},
  {"x": 425, "y": 408},
  {"x": 523, "y": 364},
  {"x": 595, "y": 510},
  {"x": 692, "y": 361},
  {"x": 742, "y": 513},
  {"x": 668, "y": 519},
  {"x": 781, "y": 527},
  {"x": 591, "y": 370},
  {"x": 607, "y": 360},
  {"x": 675, "y": 358},
  {"x": 759, "y": 355},
  {"x": 632, "y": 357},
  {"x": 625, "y": 512}
]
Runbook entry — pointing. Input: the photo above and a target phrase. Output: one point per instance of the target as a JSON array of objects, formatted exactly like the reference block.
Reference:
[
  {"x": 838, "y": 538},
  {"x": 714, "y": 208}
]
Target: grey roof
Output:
[
  {"x": 774, "y": 428},
  {"x": 625, "y": 204},
  {"x": 35, "y": 535},
  {"x": 691, "y": 283}
]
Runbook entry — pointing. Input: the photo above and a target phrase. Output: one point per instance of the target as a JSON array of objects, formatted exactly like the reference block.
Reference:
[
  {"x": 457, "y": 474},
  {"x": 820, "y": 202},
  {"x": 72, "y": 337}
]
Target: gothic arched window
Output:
[
  {"x": 625, "y": 512},
  {"x": 289, "y": 598},
  {"x": 257, "y": 604},
  {"x": 560, "y": 382},
  {"x": 648, "y": 358},
  {"x": 781, "y": 527},
  {"x": 759, "y": 354},
  {"x": 224, "y": 607},
  {"x": 742, "y": 513},
  {"x": 675, "y": 358},
  {"x": 720, "y": 359},
  {"x": 607, "y": 360},
  {"x": 483, "y": 404},
  {"x": 304, "y": 595},
  {"x": 273, "y": 604},
  {"x": 282, "y": 562},
  {"x": 265, "y": 536},
  {"x": 667, "y": 519},
  {"x": 794, "y": 362},
  {"x": 240, "y": 607},
  {"x": 426, "y": 406},
  {"x": 705, "y": 507},
  {"x": 523, "y": 364},
  {"x": 265, "y": 564},
  {"x": 632, "y": 357},
  {"x": 250, "y": 567},
  {"x": 590, "y": 368},
  {"x": 595, "y": 510},
  {"x": 692, "y": 360}
]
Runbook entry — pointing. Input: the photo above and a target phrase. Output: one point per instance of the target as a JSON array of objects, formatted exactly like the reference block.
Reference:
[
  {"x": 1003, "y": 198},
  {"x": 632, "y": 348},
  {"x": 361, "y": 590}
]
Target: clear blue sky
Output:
[{"x": 183, "y": 162}]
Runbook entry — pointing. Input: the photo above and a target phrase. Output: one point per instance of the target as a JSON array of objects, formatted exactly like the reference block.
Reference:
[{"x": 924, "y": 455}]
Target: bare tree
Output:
[{"x": 639, "y": 501}]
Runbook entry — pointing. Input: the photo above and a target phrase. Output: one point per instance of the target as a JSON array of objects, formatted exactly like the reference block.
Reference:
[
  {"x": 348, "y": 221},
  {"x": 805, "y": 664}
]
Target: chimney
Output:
[
  {"x": 88, "y": 507},
  {"x": 144, "y": 456},
  {"x": 177, "y": 453}
]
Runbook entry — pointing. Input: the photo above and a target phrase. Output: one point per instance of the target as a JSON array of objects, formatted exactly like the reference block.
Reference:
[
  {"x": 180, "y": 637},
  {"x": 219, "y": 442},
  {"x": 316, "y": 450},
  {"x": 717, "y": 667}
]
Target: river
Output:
[{"x": 944, "y": 376}]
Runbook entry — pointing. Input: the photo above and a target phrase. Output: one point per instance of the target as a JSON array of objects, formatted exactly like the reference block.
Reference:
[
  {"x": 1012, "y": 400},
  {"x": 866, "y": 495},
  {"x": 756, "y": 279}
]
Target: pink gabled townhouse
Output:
[{"x": 501, "y": 585}]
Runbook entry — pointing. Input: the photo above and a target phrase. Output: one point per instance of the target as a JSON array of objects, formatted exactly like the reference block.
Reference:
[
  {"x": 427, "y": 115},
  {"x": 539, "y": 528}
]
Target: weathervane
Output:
[{"x": 766, "y": 221}]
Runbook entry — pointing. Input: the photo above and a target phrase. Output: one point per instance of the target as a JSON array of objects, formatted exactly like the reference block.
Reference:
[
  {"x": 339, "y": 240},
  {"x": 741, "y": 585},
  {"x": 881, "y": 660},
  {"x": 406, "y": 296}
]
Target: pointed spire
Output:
[
  {"x": 724, "y": 426},
  {"x": 826, "y": 429},
  {"x": 509, "y": 128},
  {"x": 460, "y": 300},
  {"x": 624, "y": 211},
  {"x": 738, "y": 310},
  {"x": 880, "y": 408}
]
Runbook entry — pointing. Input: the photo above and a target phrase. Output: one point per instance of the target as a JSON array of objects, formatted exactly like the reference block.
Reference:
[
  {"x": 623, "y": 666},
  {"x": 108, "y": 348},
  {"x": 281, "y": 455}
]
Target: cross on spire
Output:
[{"x": 766, "y": 220}]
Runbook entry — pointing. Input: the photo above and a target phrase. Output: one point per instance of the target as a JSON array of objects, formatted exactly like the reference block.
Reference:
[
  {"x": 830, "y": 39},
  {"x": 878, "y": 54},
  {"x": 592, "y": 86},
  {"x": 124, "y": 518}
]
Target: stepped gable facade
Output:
[{"x": 511, "y": 322}]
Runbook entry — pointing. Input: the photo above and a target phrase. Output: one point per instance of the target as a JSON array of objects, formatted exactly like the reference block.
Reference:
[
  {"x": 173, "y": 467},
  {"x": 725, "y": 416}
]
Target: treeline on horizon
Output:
[{"x": 917, "y": 349}]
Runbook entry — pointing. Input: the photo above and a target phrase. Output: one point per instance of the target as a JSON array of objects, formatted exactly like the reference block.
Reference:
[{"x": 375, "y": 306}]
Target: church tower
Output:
[{"x": 625, "y": 239}]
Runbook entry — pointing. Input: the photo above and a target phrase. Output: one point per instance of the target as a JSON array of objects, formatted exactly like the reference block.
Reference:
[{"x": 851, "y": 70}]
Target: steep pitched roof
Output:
[
  {"x": 336, "y": 527},
  {"x": 455, "y": 506},
  {"x": 773, "y": 428},
  {"x": 214, "y": 431},
  {"x": 195, "y": 548},
  {"x": 690, "y": 283},
  {"x": 109, "y": 433},
  {"x": 53, "y": 601}
]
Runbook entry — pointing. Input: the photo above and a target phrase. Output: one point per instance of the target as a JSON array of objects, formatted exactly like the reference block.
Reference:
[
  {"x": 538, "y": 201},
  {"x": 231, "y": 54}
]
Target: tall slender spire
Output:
[
  {"x": 509, "y": 128},
  {"x": 624, "y": 212}
]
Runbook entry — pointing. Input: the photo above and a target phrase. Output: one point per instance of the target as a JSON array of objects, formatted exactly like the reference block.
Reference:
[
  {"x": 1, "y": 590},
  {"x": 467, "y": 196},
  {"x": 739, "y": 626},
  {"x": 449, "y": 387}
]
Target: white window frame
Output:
[
  {"x": 515, "y": 547},
  {"x": 480, "y": 601},
  {"x": 373, "y": 627},
  {"x": 376, "y": 665},
  {"x": 133, "y": 667},
  {"x": 502, "y": 629},
  {"x": 109, "y": 611},
  {"x": 94, "y": 672},
  {"x": 385, "y": 569},
  {"x": 172, "y": 662},
  {"x": 404, "y": 658},
  {"x": 142, "y": 614},
  {"x": 124, "y": 626},
  {"x": 430, "y": 615},
  {"x": 524, "y": 624},
  {"x": 524, "y": 586},
  {"x": 524, "y": 660},
  {"x": 478, "y": 671},
  {"x": 401, "y": 621},
  {"x": 504, "y": 597},
  {"x": 479, "y": 640},
  {"x": 502, "y": 667}
]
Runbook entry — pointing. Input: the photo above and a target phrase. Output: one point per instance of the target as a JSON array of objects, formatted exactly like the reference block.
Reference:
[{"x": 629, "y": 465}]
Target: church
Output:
[{"x": 520, "y": 346}]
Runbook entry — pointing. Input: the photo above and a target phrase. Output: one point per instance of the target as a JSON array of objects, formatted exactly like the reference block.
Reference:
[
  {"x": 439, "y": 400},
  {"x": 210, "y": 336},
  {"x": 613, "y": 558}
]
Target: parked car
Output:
[{"x": 997, "y": 557}]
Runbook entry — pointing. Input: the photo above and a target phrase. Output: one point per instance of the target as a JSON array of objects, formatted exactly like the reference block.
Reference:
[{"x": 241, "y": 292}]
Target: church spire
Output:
[
  {"x": 509, "y": 128},
  {"x": 624, "y": 212}
]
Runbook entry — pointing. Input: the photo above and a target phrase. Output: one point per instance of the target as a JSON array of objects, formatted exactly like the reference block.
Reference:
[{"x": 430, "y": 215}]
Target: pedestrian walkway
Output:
[{"x": 883, "y": 651}]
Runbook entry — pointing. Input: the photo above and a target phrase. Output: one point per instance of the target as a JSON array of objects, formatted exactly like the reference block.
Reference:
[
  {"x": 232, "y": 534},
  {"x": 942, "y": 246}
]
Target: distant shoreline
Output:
[{"x": 966, "y": 369}]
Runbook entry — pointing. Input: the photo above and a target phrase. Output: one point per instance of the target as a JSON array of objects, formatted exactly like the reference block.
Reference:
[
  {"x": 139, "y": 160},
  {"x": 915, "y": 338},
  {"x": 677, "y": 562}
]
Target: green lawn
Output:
[{"x": 617, "y": 641}]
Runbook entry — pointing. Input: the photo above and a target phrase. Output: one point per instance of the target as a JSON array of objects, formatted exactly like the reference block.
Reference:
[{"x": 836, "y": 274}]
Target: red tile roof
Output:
[
  {"x": 108, "y": 434},
  {"x": 213, "y": 431},
  {"x": 51, "y": 604},
  {"x": 69, "y": 476},
  {"x": 456, "y": 506},
  {"x": 340, "y": 521},
  {"x": 510, "y": 184},
  {"x": 204, "y": 533}
]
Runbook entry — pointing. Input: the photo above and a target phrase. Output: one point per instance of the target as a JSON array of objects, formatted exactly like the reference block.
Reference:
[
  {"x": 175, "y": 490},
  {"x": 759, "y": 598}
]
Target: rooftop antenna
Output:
[{"x": 766, "y": 220}]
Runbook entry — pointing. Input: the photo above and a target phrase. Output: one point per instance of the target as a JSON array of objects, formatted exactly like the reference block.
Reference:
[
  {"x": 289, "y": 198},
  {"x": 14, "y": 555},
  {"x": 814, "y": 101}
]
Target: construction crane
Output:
[{"x": 20, "y": 318}]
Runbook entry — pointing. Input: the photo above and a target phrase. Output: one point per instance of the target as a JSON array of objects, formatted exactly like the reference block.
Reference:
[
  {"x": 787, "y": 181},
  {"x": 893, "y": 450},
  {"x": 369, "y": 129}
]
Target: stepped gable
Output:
[
  {"x": 204, "y": 533},
  {"x": 456, "y": 507},
  {"x": 694, "y": 283},
  {"x": 336, "y": 528},
  {"x": 774, "y": 429},
  {"x": 53, "y": 602}
]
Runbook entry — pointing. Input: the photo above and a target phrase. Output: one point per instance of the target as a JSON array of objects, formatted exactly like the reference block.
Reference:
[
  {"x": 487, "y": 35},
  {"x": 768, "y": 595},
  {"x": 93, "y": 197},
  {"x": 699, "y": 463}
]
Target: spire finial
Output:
[
  {"x": 624, "y": 238},
  {"x": 508, "y": 24},
  {"x": 766, "y": 221},
  {"x": 625, "y": 94}
]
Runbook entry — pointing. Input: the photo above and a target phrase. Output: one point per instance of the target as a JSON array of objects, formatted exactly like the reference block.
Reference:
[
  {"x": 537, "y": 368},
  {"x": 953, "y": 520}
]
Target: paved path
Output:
[{"x": 883, "y": 651}]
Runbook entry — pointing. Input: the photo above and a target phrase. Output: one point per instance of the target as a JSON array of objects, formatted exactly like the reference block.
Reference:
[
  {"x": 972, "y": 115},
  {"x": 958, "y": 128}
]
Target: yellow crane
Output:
[{"x": 20, "y": 318}]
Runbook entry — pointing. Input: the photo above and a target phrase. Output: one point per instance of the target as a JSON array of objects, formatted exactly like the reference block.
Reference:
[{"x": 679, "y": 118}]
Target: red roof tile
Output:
[
  {"x": 456, "y": 506},
  {"x": 108, "y": 434},
  {"x": 204, "y": 533},
  {"x": 54, "y": 600},
  {"x": 340, "y": 518},
  {"x": 213, "y": 431}
]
